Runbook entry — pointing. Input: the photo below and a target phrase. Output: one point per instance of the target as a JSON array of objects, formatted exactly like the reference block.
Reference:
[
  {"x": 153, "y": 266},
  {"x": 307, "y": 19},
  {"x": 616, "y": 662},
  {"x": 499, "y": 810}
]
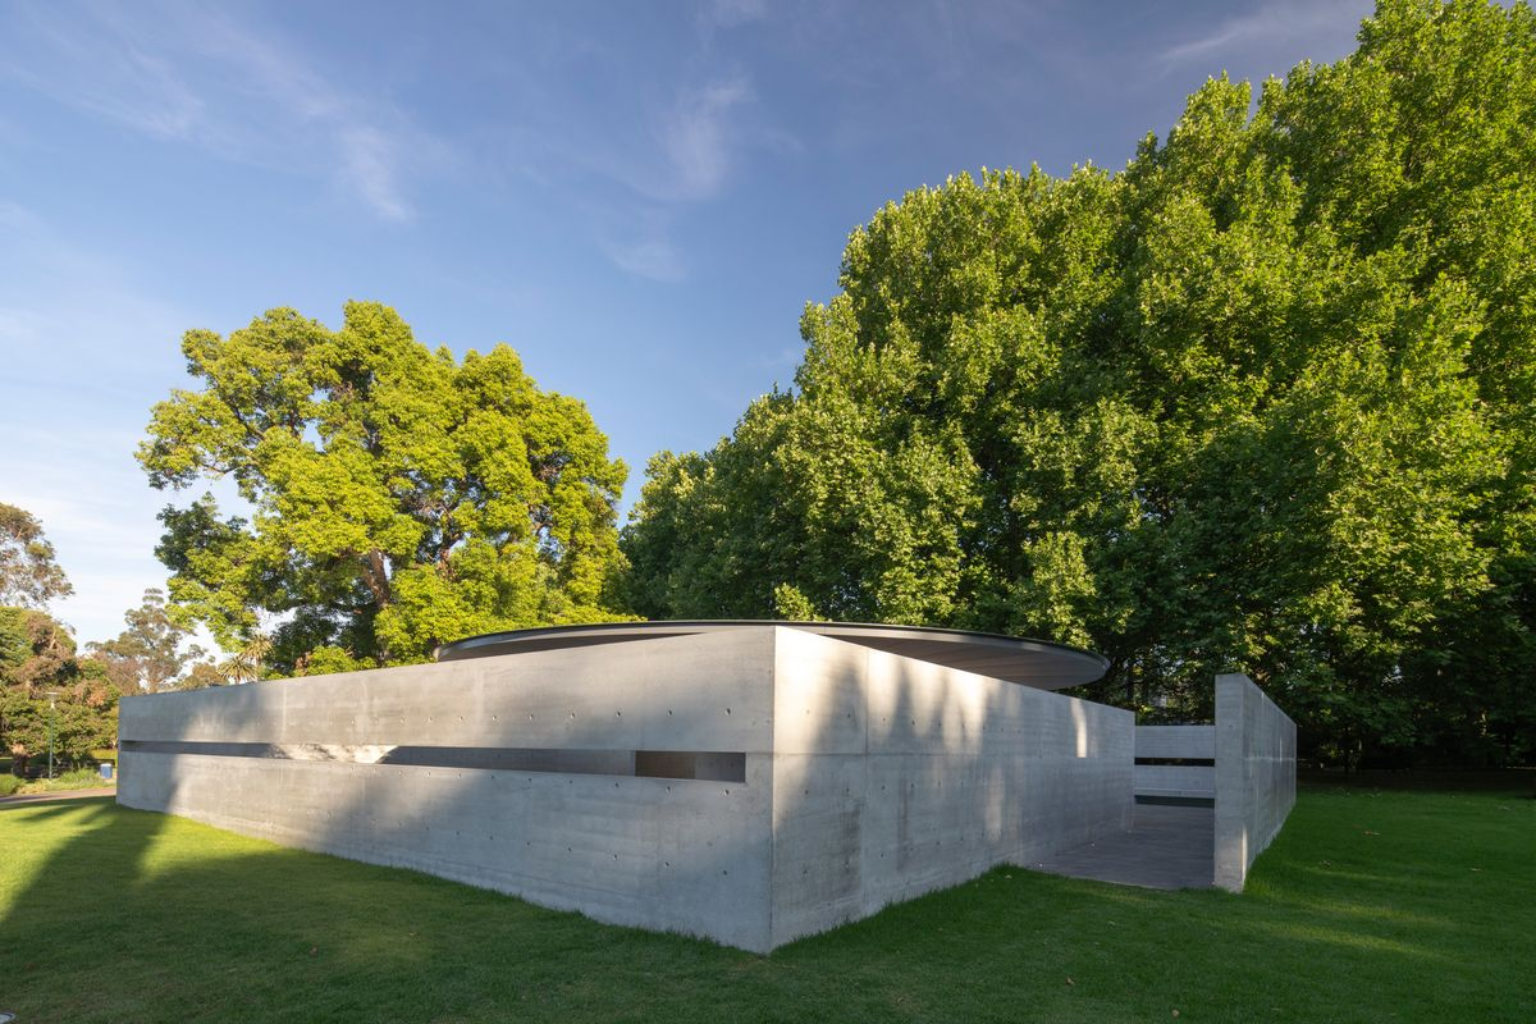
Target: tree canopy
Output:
[
  {"x": 45, "y": 689},
  {"x": 395, "y": 498},
  {"x": 1263, "y": 401},
  {"x": 29, "y": 575}
]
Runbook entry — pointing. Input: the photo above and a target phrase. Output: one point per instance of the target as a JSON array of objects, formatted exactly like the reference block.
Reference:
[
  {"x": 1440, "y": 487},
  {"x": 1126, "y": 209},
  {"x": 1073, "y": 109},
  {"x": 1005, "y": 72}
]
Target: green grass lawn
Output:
[{"x": 1368, "y": 907}]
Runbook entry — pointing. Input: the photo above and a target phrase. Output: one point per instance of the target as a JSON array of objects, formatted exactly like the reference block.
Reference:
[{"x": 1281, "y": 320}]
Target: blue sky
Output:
[{"x": 638, "y": 197}]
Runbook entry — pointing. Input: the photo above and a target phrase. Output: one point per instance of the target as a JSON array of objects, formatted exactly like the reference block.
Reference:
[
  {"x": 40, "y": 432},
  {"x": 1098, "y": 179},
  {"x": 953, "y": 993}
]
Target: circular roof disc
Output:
[{"x": 1036, "y": 663}]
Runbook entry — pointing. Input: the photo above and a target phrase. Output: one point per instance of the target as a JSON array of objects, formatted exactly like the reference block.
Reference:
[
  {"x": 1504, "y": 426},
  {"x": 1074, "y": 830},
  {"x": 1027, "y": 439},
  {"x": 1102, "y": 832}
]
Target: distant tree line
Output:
[
  {"x": 49, "y": 688},
  {"x": 44, "y": 689}
]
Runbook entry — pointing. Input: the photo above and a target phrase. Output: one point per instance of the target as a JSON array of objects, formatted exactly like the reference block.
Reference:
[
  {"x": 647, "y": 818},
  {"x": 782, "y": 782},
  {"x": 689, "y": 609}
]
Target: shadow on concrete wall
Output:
[
  {"x": 937, "y": 844},
  {"x": 389, "y": 831}
]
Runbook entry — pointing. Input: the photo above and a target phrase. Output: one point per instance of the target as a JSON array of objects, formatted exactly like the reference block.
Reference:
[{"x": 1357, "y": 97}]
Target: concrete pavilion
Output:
[{"x": 748, "y": 782}]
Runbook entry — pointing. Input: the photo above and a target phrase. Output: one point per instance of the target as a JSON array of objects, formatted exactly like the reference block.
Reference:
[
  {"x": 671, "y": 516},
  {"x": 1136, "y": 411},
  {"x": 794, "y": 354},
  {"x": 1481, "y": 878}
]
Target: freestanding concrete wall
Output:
[
  {"x": 751, "y": 786},
  {"x": 1255, "y": 776}
]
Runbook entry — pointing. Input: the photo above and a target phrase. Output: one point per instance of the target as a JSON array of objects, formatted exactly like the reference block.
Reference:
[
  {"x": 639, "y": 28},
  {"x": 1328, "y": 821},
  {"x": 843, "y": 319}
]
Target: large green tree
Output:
[
  {"x": 396, "y": 498},
  {"x": 1265, "y": 400}
]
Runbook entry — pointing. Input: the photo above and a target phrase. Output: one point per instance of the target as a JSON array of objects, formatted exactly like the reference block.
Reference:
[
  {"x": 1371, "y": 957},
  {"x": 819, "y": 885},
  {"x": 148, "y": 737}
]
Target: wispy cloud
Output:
[
  {"x": 663, "y": 130},
  {"x": 370, "y": 163},
  {"x": 200, "y": 75},
  {"x": 655, "y": 258},
  {"x": 689, "y": 155},
  {"x": 731, "y": 13},
  {"x": 697, "y": 137},
  {"x": 637, "y": 238},
  {"x": 1275, "y": 24}
]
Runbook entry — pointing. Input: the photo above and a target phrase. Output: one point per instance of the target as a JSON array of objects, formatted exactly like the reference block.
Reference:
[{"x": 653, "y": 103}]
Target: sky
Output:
[{"x": 640, "y": 198}]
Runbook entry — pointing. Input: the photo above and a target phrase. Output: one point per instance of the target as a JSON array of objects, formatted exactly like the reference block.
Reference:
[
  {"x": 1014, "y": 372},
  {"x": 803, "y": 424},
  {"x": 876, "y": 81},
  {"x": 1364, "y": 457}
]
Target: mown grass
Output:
[{"x": 1368, "y": 907}]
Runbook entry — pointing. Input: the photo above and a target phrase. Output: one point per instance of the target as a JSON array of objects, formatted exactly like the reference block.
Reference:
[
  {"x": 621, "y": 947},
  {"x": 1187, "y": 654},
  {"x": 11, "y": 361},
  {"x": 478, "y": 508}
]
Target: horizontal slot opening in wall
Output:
[
  {"x": 1176, "y": 801},
  {"x": 1187, "y": 762},
  {"x": 715, "y": 766},
  {"x": 687, "y": 764}
]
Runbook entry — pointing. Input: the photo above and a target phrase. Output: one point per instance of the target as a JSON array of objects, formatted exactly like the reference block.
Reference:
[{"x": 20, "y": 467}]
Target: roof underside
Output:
[{"x": 1034, "y": 663}]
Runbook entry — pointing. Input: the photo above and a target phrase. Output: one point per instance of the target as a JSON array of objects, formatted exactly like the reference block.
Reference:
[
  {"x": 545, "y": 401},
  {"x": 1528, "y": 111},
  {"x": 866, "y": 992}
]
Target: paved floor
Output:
[
  {"x": 1166, "y": 848},
  {"x": 68, "y": 794}
]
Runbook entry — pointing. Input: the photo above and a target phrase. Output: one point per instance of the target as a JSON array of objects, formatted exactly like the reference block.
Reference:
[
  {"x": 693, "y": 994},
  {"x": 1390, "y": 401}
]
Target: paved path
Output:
[
  {"x": 1166, "y": 848},
  {"x": 68, "y": 794}
]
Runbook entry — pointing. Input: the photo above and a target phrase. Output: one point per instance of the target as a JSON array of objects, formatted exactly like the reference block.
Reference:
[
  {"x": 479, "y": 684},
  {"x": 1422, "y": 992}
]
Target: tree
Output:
[
  {"x": 44, "y": 689},
  {"x": 204, "y": 674},
  {"x": 152, "y": 652},
  {"x": 1264, "y": 401},
  {"x": 29, "y": 576},
  {"x": 398, "y": 498},
  {"x": 246, "y": 664}
]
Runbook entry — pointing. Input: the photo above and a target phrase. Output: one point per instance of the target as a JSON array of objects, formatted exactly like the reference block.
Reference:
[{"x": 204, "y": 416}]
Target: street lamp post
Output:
[{"x": 53, "y": 697}]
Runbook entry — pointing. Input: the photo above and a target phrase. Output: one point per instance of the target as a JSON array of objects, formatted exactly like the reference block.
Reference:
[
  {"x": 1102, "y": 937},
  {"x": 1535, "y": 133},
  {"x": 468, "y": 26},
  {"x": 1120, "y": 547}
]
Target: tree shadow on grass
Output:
[{"x": 135, "y": 916}]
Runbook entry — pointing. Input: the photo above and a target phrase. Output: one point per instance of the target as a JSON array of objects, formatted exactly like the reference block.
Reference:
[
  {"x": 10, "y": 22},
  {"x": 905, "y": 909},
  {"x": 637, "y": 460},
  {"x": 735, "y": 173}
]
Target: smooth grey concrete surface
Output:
[
  {"x": 869, "y": 777},
  {"x": 1184, "y": 782},
  {"x": 1188, "y": 741},
  {"x": 1167, "y": 848},
  {"x": 1176, "y": 742},
  {"x": 685, "y": 855},
  {"x": 1255, "y": 776},
  {"x": 894, "y": 777}
]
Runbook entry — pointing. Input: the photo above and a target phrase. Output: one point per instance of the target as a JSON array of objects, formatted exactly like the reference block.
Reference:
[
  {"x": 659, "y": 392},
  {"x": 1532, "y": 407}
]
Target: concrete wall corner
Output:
[{"x": 1255, "y": 776}]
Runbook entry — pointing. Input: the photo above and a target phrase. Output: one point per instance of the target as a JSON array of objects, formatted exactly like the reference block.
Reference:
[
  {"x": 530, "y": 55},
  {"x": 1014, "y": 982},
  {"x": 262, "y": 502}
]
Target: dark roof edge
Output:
[{"x": 514, "y": 641}]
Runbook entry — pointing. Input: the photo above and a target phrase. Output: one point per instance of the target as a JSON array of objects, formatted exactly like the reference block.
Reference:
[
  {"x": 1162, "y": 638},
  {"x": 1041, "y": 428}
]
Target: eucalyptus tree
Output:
[
  {"x": 29, "y": 570},
  {"x": 152, "y": 652}
]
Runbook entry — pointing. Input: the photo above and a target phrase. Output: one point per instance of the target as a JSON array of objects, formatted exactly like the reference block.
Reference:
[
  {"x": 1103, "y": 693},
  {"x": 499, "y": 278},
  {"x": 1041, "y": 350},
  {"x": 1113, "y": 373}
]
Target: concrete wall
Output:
[
  {"x": 895, "y": 777},
  {"x": 1176, "y": 742},
  {"x": 1255, "y": 776},
  {"x": 685, "y": 855},
  {"x": 830, "y": 779}
]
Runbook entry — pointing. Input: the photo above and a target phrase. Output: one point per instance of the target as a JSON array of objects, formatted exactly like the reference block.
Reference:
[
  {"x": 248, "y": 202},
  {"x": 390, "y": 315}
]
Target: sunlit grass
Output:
[{"x": 1369, "y": 907}]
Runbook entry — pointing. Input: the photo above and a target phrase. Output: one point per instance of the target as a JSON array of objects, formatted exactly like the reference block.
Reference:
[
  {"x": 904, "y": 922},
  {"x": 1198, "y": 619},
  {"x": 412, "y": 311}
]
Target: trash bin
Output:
[{"x": 106, "y": 771}]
